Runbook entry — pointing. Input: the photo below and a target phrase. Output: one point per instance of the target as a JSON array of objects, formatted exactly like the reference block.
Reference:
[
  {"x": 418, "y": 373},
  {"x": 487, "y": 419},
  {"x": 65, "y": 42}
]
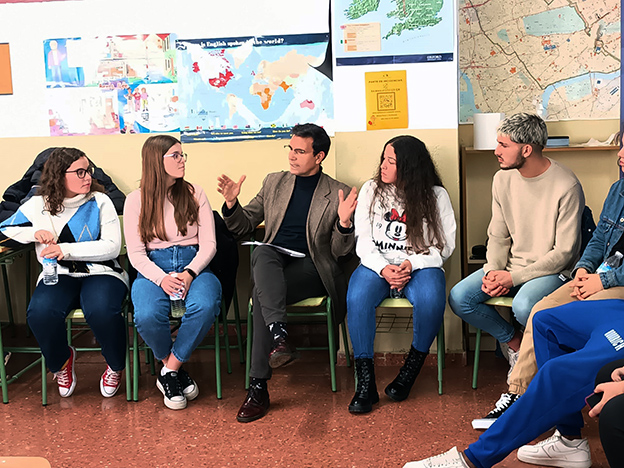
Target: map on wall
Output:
[
  {"x": 252, "y": 87},
  {"x": 561, "y": 60},
  {"x": 393, "y": 31},
  {"x": 113, "y": 84}
]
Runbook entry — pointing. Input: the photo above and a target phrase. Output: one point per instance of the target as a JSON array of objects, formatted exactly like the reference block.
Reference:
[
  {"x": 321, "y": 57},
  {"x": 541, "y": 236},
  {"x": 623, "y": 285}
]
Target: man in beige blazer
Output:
[{"x": 304, "y": 210}]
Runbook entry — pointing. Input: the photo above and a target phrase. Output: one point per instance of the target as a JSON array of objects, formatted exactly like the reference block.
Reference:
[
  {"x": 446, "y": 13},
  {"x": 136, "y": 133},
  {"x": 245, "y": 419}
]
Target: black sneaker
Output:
[
  {"x": 502, "y": 405},
  {"x": 189, "y": 387},
  {"x": 170, "y": 387}
]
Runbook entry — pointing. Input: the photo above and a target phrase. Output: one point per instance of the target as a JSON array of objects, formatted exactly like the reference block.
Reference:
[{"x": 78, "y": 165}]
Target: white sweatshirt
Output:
[
  {"x": 382, "y": 239},
  {"x": 87, "y": 229}
]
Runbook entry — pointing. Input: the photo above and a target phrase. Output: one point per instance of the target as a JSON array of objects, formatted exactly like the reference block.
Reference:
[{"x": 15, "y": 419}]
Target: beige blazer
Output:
[{"x": 326, "y": 243}]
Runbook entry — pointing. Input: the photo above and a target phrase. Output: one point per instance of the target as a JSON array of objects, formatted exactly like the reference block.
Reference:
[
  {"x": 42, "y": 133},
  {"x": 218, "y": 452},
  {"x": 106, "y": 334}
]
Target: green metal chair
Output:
[
  {"x": 403, "y": 303},
  {"x": 175, "y": 323},
  {"x": 77, "y": 326},
  {"x": 311, "y": 307},
  {"x": 7, "y": 257},
  {"x": 496, "y": 302}
]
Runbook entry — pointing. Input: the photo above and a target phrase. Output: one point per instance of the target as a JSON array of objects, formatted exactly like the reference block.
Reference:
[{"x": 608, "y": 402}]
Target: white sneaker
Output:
[
  {"x": 502, "y": 405},
  {"x": 450, "y": 459},
  {"x": 557, "y": 451},
  {"x": 512, "y": 358}
]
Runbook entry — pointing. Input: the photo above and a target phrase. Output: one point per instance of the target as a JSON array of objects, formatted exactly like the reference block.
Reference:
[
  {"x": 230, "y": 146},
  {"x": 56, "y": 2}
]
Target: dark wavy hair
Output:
[
  {"x": 52, "y": 182},
  {"x": 154, "y": 190},
  {"x": 416, "y": 177}
]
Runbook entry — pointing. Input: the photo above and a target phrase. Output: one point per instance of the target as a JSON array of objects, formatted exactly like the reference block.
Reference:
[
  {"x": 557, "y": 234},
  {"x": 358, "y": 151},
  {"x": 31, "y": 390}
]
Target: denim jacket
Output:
[{"x": 608, "y": 232}]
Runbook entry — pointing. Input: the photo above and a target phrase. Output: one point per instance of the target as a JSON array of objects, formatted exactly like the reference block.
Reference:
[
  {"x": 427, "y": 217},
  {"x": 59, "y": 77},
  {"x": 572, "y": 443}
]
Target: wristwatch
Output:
[{"x": 191, "y": 272}]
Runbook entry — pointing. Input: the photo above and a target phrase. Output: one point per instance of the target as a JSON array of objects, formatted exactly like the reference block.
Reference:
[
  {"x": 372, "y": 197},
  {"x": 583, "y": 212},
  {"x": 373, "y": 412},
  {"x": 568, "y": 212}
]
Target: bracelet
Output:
[{"x": 191, "y": 272}]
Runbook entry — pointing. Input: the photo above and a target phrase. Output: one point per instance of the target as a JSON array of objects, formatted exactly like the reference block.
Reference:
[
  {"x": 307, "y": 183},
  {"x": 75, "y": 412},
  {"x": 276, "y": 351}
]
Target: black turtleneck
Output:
[{"x": 292, "y": 232}]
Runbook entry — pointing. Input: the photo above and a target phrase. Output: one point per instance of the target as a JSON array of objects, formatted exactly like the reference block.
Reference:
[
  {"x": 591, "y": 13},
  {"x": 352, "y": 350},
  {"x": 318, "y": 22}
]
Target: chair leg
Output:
[
  {"x": 475, "y": 370},
  {"x": 5, "y": 279},
  {"x": 332, "y": 344},
  {"x": 68, "y": 325},
  {"x": 128, "y": 367},
  {"x": 226, "y": 338},
  {"x": 135, "y": 363},
  {"x": 3, "y": 376},
  {"x": 239, "y": 331},
  {"x": 44, "y": 382},
  {"x": 441, "y": 353},
  {"x": 151, "y": 360},
  {"x": 218, "y": 357},
  {"x": 248, "y": 347},
  {"x": 345, "y": 340}
]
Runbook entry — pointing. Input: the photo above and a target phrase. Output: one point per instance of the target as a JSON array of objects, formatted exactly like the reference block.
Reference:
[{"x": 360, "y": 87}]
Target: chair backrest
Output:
[{"x": 588, "y": 226}]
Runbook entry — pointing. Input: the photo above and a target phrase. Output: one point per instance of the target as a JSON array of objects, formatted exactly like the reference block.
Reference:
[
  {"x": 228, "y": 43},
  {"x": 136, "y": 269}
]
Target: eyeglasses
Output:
[
  {"x": 82, "y": 173},
  {"x": 296, "y": 150},
  {"x": 177, "y": 157}
]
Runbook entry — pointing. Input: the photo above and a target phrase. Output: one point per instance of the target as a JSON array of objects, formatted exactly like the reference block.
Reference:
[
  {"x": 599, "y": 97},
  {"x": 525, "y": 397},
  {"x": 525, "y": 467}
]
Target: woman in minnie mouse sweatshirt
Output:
[{"x": 405, "y": 230}]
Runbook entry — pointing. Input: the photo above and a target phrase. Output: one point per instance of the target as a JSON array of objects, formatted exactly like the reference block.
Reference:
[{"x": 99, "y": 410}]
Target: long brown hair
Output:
[
  {"x": 416, "y": 177},
  {"x": 52, "y": 182},
  {"x": 154, "y": 190}
]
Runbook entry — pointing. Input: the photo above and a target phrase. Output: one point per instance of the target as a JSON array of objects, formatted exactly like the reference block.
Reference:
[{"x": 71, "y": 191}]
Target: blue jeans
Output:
[
  {"x": 99, "y": 296},
  {"x": 151, "y": 306},
  {"x": 426, "y": 290},
  {"x": 467, "y": 301},
  {"x": 572, "y": 343}
]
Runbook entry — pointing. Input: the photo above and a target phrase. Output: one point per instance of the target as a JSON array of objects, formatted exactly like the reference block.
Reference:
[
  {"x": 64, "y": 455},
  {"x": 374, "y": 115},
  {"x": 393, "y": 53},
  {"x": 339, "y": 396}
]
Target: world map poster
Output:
[{"x": 252, "y": 87}]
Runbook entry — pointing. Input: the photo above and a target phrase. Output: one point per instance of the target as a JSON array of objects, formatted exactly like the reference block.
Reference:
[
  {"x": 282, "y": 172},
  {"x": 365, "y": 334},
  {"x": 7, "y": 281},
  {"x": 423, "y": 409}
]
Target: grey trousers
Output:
[{"x": 278, "y": 280}]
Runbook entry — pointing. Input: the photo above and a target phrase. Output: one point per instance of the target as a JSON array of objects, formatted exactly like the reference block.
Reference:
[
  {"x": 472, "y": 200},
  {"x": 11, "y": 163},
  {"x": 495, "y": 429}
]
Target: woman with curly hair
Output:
[
  {"x": 71, "y": 220},
  {"x": 405, "y": 230},
  {"x": 170, "y": 234}
]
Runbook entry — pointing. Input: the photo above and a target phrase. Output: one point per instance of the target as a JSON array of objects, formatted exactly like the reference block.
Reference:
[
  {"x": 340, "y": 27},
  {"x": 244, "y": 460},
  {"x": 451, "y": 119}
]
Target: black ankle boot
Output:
[
  {"x": 366, "y": 389},
  {"x": 399, "y": 388}
]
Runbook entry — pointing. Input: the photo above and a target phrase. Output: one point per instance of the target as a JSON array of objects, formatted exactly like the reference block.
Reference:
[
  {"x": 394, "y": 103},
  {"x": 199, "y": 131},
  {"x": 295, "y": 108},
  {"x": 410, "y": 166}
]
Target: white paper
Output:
[{"x": 292, "y": 253}]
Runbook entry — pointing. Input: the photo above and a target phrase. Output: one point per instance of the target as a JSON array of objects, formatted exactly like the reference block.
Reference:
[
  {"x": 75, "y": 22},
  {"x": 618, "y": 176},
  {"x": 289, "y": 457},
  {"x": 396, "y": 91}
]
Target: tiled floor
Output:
[{"x": 307, "y": 426}]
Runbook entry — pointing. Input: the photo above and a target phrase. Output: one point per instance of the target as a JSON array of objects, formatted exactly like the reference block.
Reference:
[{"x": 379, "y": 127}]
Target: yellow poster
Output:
[{"x": 386, "y": 100}]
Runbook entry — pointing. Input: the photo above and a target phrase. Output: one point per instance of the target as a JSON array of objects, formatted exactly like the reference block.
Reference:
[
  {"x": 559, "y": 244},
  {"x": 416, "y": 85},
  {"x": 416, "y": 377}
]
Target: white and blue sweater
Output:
[{"x": 87, "y": 229}]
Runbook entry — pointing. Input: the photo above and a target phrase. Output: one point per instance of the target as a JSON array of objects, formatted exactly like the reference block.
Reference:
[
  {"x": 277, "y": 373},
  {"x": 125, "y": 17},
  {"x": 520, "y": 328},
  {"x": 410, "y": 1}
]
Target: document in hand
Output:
[{"x": 283, "y": 250}]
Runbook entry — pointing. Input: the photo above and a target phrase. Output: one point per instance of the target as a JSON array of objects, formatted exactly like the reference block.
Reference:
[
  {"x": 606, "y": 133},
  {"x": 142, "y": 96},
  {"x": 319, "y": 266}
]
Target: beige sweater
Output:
[{"x": 535, "y": 225}]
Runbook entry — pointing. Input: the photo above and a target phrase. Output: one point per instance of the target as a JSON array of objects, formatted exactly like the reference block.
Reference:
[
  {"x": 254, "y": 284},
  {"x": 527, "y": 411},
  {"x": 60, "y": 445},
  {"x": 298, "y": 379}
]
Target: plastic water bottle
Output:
[
  {"x": 50, "y": 275},
  {"x": 177, "y": 303},
  {"x": 610, "y": 263},
  {"x": 395, "y": 293}
]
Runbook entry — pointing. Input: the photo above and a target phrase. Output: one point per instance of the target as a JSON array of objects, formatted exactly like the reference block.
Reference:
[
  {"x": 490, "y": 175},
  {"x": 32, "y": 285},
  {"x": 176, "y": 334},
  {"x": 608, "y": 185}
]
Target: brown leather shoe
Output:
[
  {"x": 255, "y": 405},
  {"x": 282, "y": 354}
]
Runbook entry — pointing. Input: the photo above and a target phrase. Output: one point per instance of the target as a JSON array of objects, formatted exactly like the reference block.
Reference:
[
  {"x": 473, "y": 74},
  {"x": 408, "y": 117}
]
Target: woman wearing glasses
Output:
[
  {"x": 170, "y": 235},
  {"x": 72, "y": 221}
]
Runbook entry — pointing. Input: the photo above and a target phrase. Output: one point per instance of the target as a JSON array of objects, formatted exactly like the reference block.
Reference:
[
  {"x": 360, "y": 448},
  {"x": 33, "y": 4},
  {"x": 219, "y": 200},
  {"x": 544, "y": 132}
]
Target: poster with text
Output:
[
  {"x": 393, "y": 31},
  {"x": 252, "y": 87},
  {"x": 386, "y": 100}
]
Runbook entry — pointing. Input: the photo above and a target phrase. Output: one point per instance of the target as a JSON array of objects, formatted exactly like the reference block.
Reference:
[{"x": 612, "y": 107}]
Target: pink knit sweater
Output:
[{"x": 202, "y": 234}]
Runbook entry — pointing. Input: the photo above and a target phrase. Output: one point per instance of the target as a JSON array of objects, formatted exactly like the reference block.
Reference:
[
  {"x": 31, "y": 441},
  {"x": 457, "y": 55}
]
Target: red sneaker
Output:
[
  {"x": 110, "y": 382},
  {"x": 66, "y": 377}
]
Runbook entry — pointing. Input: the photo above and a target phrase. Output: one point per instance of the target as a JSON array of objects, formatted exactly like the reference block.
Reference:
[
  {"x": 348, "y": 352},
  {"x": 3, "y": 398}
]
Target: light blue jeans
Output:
[
  {"x": 426, "y": 291},
  {"x": 151, "y": 306},
  {"x": 467, "y": 301}
]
